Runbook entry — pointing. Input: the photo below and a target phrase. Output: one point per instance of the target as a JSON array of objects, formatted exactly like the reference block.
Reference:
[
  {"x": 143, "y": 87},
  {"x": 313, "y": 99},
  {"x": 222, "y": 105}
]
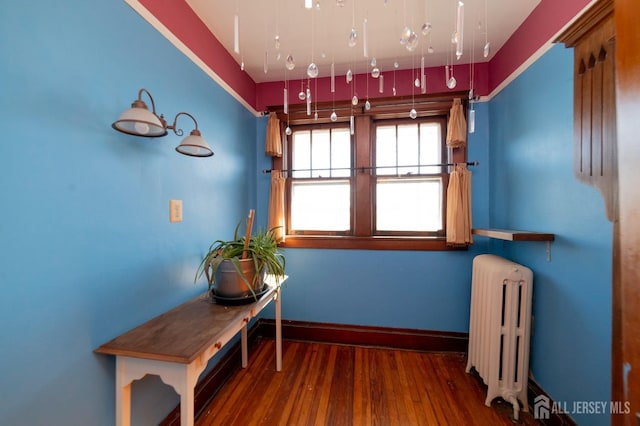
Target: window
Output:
[
  {"x": 409, "y": 177},
  {"x": 320, "y": 190},
  {"x": 382, "y": 186}
]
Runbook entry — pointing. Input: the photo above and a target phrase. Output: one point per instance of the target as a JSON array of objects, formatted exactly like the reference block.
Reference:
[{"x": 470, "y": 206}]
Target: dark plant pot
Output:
[{"x": 229, "y": 284}]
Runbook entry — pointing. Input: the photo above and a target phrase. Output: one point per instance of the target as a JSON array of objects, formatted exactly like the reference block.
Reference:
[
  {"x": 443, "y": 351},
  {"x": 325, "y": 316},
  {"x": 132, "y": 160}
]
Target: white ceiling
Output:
[{"x": 321, "y": 34}]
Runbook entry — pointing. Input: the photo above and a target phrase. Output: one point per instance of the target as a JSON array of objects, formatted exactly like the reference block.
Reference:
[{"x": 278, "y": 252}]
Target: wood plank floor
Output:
[{"x": 336, "y": 385}]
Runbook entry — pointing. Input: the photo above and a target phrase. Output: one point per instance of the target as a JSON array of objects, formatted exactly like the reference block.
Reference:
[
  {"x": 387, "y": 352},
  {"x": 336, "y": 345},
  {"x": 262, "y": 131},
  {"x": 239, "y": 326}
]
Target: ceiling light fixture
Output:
[{"x": 139, "y": 121}]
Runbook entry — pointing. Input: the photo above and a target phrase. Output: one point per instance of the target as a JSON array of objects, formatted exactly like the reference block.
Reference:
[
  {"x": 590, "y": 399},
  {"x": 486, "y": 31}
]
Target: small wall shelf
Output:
[{"x": 511, "y": 235}]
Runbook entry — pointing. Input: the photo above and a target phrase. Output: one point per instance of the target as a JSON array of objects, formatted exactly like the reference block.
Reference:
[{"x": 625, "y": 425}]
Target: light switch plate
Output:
[{"x": 175, "y": 210}]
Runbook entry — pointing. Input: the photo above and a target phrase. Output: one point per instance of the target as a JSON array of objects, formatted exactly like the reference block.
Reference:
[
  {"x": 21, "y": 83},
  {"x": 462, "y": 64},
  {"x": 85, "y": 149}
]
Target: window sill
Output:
[{"x": 368, "y": 243}]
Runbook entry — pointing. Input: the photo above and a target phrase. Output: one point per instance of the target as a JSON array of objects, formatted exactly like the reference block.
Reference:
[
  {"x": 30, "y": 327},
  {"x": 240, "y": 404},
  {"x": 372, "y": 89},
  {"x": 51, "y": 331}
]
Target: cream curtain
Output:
[
  {"x": 273, "y": 139},
  {"x": 276, "y": 205},
  {"x": 459, "y": 207},
  {"x": 457, "y": 126}
]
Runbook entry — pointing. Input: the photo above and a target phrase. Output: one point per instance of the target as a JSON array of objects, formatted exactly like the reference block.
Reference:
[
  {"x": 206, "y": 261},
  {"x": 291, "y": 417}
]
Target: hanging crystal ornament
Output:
[
  {"x": 285, "y": 94},
  {"x": 487, "y": 50},
  {"x": 308, "y": 101},
  {"x": 317, "y": 5},
  {"x": 413, "y": 114},
  {"x": 301, "y": 95},
  {"x": 430, "y": 49},
  {"x": 312, "y": 70},
  {"x": 451, "y": 82},
  {"x": 426, "y": 28},
  {"x": 287, "y": 131},
  {"x": 367, "y": 105},
  {"x": 349, "y": 76},
  {"x": 353, "y": 37},
  {"x": 459, "y": 29},
  {"x": 265, "y": 64},
  {"x": 354, "y": 100},
  {"x": 236, "y": 34},
  {"x": 315, "y": 114},
  {"x": 333, "y": 78},
  {"x": 412, "y": 42},
  {"x": 423, "y": 77},
  {"x": 334, "y": 116},
  {"x": 289, "y": 63},
  {"x": 472, "y": 120},
  {"x": 351, "y": 125},
  {"x": 375, "y": 72},
  {"x": 381, "y": 84},
  {"x": 242, "y": 64},
  {"x": 277, "y": 41},
  {"x": 404, "y": 35},
  {"x": 396, "y": 65},
  {"x": 416, "y": 82}
]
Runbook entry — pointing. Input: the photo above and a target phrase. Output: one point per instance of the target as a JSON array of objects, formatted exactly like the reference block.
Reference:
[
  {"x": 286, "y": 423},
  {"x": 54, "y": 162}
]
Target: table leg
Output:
[
  {"x": 187, "y": 412},
  {"x": 278, "y": 333},
  {"x": 243, "y": 344},
  {"x": 123, "y": 395}
]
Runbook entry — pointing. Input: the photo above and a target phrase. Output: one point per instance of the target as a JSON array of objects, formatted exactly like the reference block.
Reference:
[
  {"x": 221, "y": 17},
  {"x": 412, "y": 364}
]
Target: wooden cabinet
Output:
[{"x": 595, "y": 155}]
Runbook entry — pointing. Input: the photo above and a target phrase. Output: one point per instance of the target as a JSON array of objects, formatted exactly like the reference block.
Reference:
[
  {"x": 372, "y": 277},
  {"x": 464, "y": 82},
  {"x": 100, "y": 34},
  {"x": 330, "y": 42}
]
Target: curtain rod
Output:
[{"x": 362, "y": 169}]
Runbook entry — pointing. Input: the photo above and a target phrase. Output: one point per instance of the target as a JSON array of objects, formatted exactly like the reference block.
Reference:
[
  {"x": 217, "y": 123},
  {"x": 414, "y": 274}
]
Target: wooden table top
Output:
[{"x": 183, "y": 333}]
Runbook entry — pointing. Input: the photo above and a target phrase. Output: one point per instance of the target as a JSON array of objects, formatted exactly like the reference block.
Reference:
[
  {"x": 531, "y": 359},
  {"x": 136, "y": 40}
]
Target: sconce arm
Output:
[
  {"x": 179, "y": 132},
  {"x": 139, "y": 103}
]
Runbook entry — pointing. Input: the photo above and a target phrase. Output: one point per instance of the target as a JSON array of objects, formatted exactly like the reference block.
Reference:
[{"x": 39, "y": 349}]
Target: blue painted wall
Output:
[
  {"x": 533, "y": 188},
  {"x": 87, "y": 248}
]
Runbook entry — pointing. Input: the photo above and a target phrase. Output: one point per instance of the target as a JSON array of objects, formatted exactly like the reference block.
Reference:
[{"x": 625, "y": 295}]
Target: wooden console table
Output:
[{"x": 178, "y": 344}]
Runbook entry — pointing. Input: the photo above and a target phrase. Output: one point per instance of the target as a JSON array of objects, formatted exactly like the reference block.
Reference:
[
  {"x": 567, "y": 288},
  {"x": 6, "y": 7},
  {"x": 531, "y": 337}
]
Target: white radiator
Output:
[{"x": 500, "y": 328}]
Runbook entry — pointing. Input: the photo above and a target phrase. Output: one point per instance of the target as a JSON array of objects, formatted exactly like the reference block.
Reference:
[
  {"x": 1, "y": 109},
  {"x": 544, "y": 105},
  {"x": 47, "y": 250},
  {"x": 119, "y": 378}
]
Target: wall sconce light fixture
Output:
[{"x": 139, "y": 121}]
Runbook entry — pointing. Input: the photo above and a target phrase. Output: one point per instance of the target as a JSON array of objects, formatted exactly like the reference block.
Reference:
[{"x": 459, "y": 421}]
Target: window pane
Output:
[
  {"x": 320, "y": 206},
  {"x": 409, "y": 204},
  {"x": 301, "y": 153},
  {"x": 385, "y": 150},
  {"x": 408, "y": 154},
  {"x": 430, "y": 142},
  {"x": 320, "y": 153},
  {"x": 341, "y": 152}
]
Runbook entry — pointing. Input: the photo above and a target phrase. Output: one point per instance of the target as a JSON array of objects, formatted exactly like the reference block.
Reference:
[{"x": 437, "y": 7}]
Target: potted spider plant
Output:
[{"x": 236, "y": 269}]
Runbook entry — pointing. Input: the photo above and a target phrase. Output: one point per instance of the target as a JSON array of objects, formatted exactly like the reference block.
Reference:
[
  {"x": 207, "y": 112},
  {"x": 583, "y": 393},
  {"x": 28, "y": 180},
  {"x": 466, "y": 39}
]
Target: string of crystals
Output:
[{"x": 408, "y": 39}]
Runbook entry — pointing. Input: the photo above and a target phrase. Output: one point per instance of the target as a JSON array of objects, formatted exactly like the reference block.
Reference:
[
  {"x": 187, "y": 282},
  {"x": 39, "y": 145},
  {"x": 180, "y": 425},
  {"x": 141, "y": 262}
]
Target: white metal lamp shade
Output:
[
  {"x": 194, "y": 145},
  {"x": 139, "y": 121}
]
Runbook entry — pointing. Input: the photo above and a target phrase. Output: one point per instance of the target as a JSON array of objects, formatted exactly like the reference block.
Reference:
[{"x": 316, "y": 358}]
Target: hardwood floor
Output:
[{"x": 324, "y": 384}]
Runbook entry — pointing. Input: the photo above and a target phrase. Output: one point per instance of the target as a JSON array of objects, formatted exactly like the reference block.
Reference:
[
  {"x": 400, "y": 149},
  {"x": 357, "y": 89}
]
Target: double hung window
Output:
[{"x": 377, "y": 183}]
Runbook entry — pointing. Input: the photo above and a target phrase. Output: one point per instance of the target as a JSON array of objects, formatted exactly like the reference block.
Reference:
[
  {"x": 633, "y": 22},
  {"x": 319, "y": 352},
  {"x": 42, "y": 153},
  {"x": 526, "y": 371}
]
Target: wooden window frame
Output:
[{"x": 362, "y": 193}]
